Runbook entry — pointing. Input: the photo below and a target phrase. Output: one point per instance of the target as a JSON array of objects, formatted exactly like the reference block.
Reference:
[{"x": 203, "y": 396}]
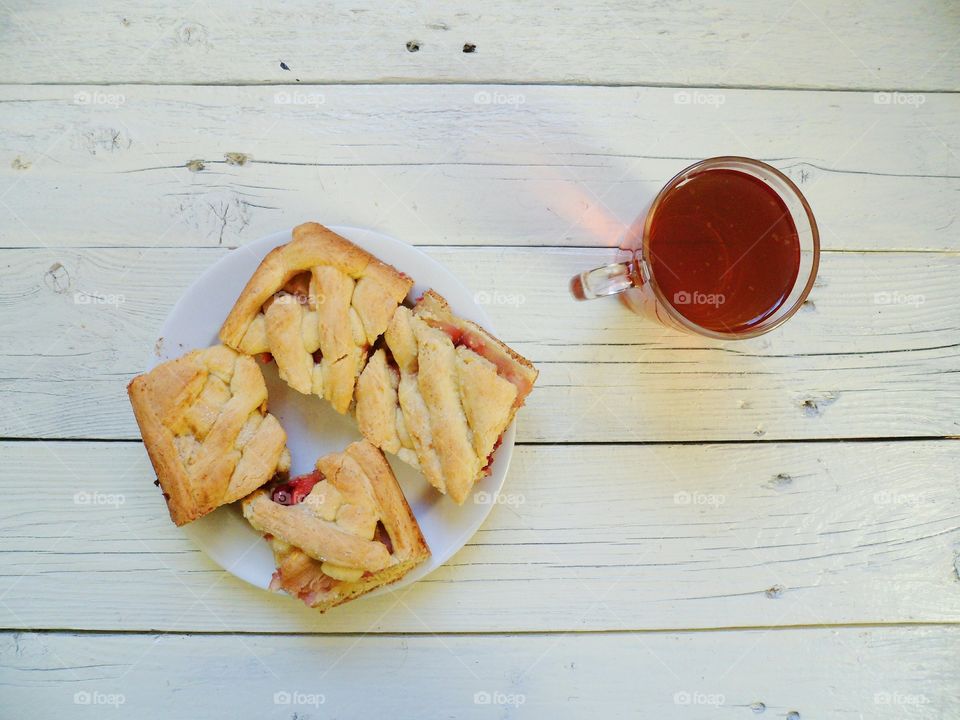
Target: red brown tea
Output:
[{"x": 724, "y": 250}]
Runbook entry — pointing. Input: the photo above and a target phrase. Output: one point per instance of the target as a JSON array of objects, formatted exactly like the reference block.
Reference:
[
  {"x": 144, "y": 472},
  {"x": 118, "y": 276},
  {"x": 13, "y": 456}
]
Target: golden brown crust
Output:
[
  {"x": 204, "y": 423},
  {"x": 458, "y": 391},
  {"x": 352, "y": 296},
  {"x": 312, "y": 245},
  {"x": 318, "y": 538},
  {"x": 395, "y": 512},
  {"x": 327, "y": 547}
]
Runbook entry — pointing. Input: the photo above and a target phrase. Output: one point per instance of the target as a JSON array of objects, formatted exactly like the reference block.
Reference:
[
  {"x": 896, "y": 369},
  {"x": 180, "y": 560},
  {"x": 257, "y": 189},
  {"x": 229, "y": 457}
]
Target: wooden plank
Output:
[
  {"x": 585, "y": 538},
  {"x": 814, "y": 43},
  {"x": 900, "y": 672},
  {"x": 874, "y": 353},
  {"x": 439, "y": 165}
]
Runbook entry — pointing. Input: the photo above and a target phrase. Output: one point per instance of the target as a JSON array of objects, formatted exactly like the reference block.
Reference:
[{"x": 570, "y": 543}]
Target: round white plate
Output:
[{"x": 313, "y": 427}]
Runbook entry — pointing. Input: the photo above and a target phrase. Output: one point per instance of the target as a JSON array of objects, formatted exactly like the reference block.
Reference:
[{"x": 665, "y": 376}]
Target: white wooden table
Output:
[{"x": 698, "y": 529}]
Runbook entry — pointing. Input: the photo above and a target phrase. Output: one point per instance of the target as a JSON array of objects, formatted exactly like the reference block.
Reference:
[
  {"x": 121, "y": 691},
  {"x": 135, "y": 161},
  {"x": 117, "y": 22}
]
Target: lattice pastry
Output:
[
  {"x": 316, "y": 305},
  {"x": 340, "y": 531},
  {"x": 440, "y": 394},
  {"x": 205, "y": 425}
]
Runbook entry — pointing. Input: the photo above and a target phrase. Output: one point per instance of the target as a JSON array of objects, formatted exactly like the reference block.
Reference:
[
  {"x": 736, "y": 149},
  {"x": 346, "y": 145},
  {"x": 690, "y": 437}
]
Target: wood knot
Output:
[
  {"x": 814, "y": 406},
  {"x": 780, "y": 480},
  {"x": 191, "y": 33},
  {"x": 195, "y": 165},
  {"x": 413, "y": 46},
  {"x": 774, "y": 592},
  {"x": 57, "y": 278},
  {"x": 236, "y": 158},
  {"x": 469, "y": 47},
  {"x": 104, "y": 139}
]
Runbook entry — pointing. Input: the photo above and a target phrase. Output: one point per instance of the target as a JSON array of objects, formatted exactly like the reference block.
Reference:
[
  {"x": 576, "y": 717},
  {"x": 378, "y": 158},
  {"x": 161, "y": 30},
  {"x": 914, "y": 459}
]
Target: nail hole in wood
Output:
[
  {"x": 413, "y": 46},
  {"x": 469, "y": 47}
]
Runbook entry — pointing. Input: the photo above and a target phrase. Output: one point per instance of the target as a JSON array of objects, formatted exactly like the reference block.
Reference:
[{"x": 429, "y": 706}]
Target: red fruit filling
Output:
[
  {"x": 486, "y": 468},
  {"x": 382, "y": 536},
  {"x": 296, "y": 489},
  {"x": 464, "y": 336}
]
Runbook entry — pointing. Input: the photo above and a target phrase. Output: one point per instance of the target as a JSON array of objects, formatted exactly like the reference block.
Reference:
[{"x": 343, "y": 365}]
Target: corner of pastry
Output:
[
  {"x": 339, "y": 531},
  {"x": 207, "y": 431}
]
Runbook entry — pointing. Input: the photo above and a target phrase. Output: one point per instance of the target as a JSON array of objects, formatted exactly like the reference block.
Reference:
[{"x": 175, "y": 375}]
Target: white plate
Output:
[{"x": 313, "y": 427}]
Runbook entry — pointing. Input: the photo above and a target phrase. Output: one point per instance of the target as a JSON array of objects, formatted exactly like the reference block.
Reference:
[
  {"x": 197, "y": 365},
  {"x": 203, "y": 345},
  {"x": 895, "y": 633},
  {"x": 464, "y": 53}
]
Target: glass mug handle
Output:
[{"x": 607, "y": 280}]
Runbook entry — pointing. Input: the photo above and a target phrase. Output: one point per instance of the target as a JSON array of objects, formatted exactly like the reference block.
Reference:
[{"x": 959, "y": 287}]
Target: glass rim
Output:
[{"x": 731, "y": 162}]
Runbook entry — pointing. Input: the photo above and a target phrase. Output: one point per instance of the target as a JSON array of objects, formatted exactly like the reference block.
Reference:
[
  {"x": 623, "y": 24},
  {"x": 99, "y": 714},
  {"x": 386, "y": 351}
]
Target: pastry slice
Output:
[
  {"x": 440, "y": 393},
  {"x": 316, "y": 305},
  {"x": 340, "y": 531},
  {"x": 205, "y": 425}
]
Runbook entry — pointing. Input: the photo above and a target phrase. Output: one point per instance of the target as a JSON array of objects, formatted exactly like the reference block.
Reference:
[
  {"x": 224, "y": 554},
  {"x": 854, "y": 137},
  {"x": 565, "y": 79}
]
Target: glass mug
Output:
[{"x": 728, "y": 249}]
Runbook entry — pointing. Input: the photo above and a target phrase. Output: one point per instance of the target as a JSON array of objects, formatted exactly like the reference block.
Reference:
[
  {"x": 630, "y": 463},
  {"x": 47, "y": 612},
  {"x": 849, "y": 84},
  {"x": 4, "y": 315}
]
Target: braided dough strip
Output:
[{"x": 446, "y": 398}]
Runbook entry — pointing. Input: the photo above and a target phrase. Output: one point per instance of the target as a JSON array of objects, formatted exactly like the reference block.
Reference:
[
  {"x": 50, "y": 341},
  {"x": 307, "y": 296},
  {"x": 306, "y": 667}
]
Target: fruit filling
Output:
[
  {"x": 466, "y": 337},
  {"x": 488, "y": 466},
  {"x": 382, "y": 536},
  {"x": 293, "y": 491}
]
